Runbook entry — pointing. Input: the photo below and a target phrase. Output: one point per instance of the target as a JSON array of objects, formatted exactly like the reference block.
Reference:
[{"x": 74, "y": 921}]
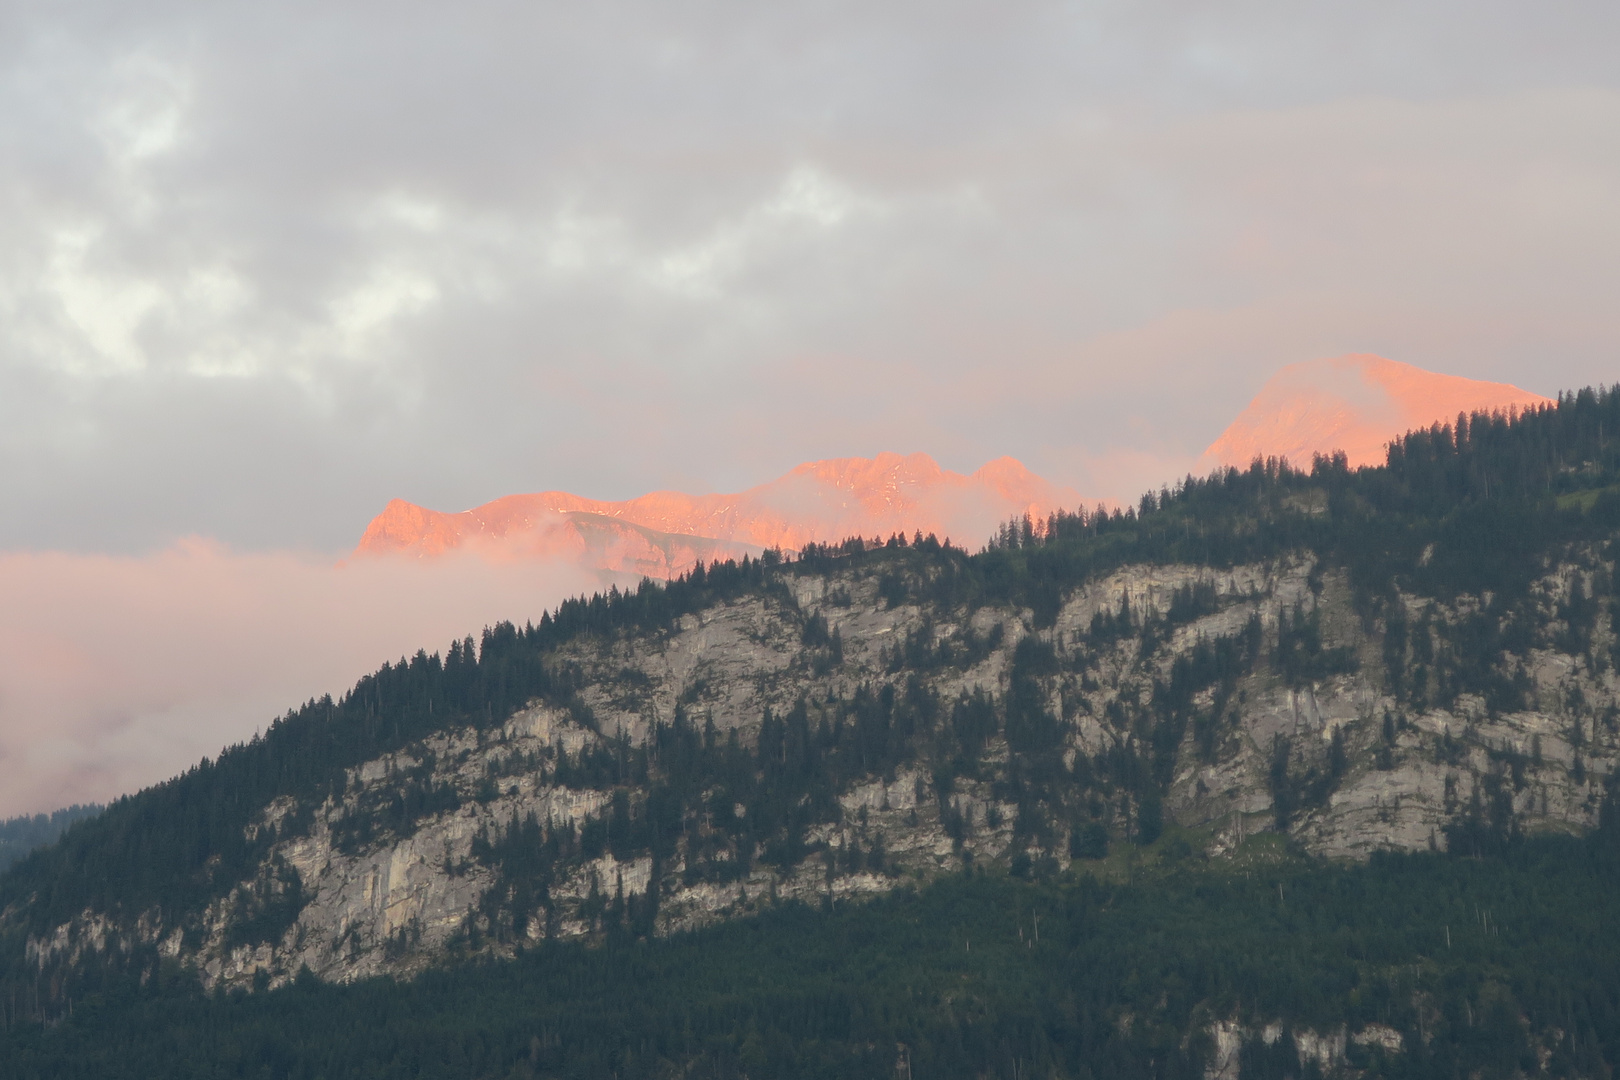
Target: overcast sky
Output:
[{"x": 263, "y": 267}]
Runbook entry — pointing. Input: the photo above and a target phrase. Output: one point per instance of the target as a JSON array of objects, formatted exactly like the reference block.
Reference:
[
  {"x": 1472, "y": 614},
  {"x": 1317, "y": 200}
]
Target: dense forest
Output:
[
  {"x": 1471, "y": 968},
  {"x": 1475, "y": 507}
]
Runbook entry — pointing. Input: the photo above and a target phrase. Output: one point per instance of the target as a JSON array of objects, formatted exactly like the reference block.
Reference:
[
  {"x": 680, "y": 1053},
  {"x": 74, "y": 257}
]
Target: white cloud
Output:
[
  {"x": 104, "y": 312},
  {"x": 363, "y": 316},
  {"x": 419, "y": 214},
  {"x": 144, "y": 111},
  {"x": 807, "y": 205}
]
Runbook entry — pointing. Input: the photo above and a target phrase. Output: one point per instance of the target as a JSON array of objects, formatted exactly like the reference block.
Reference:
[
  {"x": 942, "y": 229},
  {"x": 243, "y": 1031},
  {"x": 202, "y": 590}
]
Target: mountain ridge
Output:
[
  {"x": 1354, "y": 404},
  {"x": 816, "y": 502}
]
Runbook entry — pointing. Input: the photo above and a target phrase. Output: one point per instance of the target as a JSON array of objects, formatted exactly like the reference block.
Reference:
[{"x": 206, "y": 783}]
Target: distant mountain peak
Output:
[
  {"x": 662, "y": 533},
  {"x": 1356, "y": 404}
]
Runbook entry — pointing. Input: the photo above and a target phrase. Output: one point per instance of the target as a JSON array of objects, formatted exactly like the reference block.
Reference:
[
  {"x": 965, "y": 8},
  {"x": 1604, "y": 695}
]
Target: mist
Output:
[{"x": 119, "y": 671}]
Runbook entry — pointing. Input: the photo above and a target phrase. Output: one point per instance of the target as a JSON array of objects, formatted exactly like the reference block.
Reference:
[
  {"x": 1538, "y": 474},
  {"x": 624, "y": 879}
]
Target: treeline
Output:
[{"x": 1485, "y": 968}]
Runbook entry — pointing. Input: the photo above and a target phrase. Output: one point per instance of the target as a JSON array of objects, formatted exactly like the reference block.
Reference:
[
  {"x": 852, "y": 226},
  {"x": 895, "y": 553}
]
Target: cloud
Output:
[
  {"x": 117, "y": 671},
  {"x": 262, "y": 272}
]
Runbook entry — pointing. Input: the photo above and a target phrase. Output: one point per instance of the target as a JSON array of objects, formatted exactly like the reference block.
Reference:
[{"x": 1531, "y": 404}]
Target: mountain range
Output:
[
  {"x": 1277, "y": 773},
  {"x": 664, "y": 533},
  {"x": 1353, "y": 404}
]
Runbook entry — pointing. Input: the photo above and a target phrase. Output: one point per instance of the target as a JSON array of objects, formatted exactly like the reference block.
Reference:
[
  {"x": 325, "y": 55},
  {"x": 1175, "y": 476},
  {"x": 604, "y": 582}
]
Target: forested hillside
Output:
[{"x": 1419, "y": 657}]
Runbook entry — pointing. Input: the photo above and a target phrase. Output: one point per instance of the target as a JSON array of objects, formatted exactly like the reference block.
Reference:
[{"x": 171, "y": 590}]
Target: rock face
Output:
[
  {"x": 1355, "y": 404},
  {"x": 1260, "y": 697},
  {"x": 662, "y": 534}
]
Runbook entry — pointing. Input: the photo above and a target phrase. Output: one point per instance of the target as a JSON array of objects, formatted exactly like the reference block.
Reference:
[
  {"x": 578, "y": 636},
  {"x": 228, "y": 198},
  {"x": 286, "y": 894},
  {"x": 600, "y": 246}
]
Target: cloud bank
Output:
[{"x": 117, "y": 671}]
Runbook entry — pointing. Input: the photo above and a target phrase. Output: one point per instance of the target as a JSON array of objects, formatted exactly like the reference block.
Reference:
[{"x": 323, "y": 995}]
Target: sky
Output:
[{"x": 265, "y": 267}]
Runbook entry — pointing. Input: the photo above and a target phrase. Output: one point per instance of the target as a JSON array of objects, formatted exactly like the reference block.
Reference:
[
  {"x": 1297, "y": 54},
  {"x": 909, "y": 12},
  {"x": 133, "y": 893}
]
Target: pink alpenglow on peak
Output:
[
  {"x": 1356, "y": 404},
  {"x": 662, "y": 534}
]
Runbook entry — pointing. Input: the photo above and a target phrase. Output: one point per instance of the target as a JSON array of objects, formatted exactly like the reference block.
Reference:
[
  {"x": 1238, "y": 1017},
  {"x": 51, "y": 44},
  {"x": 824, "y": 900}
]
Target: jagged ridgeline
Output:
[{"x": 1419, "y": 656}]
